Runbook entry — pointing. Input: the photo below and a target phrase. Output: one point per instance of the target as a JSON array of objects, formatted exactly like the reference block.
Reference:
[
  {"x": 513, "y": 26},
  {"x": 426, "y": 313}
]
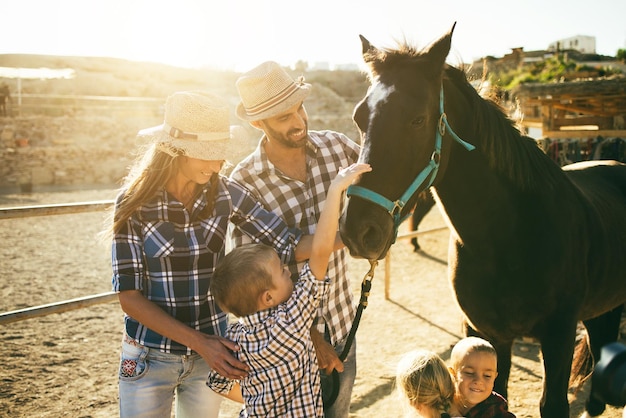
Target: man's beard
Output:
[{"x": 284, "y": 139}]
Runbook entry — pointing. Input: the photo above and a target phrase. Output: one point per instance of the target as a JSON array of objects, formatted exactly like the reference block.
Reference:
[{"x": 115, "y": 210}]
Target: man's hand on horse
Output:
[{"x": 327, "y": 358}]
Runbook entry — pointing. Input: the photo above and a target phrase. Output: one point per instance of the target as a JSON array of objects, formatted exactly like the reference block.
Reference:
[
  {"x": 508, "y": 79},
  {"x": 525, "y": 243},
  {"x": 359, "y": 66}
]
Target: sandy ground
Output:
[{"x": 65, "y": 365}]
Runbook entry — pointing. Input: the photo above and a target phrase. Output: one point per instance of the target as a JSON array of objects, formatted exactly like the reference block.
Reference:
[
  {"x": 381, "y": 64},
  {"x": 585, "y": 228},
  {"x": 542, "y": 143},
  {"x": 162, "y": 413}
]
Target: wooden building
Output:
[{"x": 575, "y": 109}]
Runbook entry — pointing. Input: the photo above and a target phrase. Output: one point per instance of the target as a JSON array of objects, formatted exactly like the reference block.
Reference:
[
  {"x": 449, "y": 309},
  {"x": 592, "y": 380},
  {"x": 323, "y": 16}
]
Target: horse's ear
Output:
[
  {"x": 452, "y": 29},
  {"x": 368, "y": 50},
  {"x": 440, "y": 49},
  {"x": 365, "y": 44}
]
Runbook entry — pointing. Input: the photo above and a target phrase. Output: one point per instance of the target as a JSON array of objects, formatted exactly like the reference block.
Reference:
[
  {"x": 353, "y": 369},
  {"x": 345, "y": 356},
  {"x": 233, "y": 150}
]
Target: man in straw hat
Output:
[
  {"x": 170, "y": 221},
  {"x": 290, "y": 171}
]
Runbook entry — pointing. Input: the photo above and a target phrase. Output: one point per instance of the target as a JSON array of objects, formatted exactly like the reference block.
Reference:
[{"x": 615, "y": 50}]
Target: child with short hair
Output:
[
  {"x": 474, "y": 368},
  {"x": 424, "y": 382},
  {"x": 275, "y": 317}
]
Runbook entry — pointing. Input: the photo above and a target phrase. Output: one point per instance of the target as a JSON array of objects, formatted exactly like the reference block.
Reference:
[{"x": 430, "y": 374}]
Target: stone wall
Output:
[
  {"x": 87, "y": 146},
  {"x": 77, "y": 151},
  {"x": 67, "y": 151}
]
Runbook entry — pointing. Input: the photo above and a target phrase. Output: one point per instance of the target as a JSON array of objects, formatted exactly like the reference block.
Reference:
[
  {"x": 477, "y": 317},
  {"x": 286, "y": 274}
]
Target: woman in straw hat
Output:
[{"x": 169, "y": 225}]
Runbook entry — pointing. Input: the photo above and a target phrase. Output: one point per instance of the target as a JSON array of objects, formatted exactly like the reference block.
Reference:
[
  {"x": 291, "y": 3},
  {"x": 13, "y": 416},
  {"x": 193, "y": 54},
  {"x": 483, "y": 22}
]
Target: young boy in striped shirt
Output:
[{"x": 275, "y": 317}]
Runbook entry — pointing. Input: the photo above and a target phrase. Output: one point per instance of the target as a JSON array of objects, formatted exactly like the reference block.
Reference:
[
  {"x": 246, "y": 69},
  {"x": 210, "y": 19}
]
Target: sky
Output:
[{"x": 239, "y": 34}]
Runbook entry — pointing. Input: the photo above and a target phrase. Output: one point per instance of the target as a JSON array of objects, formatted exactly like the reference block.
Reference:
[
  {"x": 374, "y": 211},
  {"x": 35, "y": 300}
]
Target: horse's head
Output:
[{"x": 398, "y": 119}]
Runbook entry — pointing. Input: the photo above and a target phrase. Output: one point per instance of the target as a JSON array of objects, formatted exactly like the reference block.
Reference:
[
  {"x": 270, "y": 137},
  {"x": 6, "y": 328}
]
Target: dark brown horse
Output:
[{"x": 535, "y": 248}]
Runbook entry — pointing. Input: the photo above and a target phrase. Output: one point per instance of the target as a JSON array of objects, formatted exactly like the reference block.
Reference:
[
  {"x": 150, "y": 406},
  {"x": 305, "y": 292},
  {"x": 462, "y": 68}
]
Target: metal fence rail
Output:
[
  {"x": 83, "y": 302},
  {"x": 56, "y": 209},
  {"x": 57, "y": 307},
  {"x": 62, "y": 104}
]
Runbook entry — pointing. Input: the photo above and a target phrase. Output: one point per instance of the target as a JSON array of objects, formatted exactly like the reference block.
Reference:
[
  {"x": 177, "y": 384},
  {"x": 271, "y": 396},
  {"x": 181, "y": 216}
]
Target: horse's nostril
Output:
[
  {"x": 367, "y": 234},
  {"x": 371, "y": 237}
]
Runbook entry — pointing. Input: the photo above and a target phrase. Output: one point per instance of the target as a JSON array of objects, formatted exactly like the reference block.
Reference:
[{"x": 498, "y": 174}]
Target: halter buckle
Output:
[
  {"x": 436, "y": 156},
  {"x": 397, "y": 208},
  {"x": 442, "y": 124}
]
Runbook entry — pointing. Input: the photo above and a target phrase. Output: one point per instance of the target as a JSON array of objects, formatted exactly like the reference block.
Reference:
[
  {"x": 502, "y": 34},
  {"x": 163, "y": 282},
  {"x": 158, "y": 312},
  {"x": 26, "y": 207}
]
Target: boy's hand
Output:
[{"x": 347, "y": 176}]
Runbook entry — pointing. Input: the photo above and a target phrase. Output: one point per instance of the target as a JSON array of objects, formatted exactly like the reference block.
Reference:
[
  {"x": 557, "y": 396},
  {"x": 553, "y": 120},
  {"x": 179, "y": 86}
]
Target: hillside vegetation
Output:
[
  {"x": 333, "y": 96},
  {"x": 553, "y": 69},
  {"x": 64, "y": 133}
]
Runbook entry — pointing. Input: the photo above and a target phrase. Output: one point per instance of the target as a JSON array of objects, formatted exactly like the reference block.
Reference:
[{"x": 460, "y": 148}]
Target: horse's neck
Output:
[{"x": 473, "y": 197}]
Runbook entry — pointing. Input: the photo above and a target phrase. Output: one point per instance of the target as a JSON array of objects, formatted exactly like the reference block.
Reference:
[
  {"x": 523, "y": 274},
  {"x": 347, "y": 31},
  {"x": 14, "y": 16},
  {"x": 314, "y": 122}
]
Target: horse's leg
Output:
[
  {"x": 602, "y": 330},
  {"x": 503, "y": 348},
  {"x": 557, "y": 349},
  {"x": 425, "y": 202}
]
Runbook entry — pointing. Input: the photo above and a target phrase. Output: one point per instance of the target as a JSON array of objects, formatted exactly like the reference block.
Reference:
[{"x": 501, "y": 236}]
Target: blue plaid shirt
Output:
[{"x": 169, "y": 254}]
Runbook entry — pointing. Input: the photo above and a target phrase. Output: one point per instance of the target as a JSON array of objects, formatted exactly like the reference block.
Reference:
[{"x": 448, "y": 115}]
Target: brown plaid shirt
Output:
[{"x": 300, "y": 205}]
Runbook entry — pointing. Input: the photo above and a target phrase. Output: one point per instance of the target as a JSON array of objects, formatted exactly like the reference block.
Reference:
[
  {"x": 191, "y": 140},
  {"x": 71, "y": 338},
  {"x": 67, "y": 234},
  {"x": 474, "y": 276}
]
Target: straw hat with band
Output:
[
  {"x": 196, "y": 125},
  {"x": 267, "y": 90}
]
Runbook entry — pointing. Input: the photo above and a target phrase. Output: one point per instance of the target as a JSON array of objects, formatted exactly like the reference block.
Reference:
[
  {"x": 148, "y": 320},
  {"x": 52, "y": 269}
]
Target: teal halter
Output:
[{"x": 428, "y": 173}]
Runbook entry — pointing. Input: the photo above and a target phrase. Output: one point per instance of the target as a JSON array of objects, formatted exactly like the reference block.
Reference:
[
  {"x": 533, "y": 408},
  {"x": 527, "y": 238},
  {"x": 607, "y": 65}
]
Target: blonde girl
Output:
[{"x": 424, "y": 384}]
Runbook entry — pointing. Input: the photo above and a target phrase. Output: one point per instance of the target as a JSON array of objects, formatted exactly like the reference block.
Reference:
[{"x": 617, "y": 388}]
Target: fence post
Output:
[{"x": 388, "y": 256}]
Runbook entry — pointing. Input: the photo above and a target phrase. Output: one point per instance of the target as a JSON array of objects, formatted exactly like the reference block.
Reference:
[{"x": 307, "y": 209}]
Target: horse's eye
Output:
[{"x": 418, "y": 122}]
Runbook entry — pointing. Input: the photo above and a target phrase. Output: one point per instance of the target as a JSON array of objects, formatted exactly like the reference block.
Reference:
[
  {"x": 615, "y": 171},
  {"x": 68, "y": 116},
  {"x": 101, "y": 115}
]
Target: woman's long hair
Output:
[
  {"x": 147, "y": 176},
  {"x": 149, "y": 173}
]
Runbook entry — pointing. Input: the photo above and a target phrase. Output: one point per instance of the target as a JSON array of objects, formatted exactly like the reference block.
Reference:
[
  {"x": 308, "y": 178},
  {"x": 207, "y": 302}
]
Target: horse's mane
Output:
[
  {"x": 517, "y": 157},
  {"x": 510, "y": 153},
  {"x": 381, "y": 58}
]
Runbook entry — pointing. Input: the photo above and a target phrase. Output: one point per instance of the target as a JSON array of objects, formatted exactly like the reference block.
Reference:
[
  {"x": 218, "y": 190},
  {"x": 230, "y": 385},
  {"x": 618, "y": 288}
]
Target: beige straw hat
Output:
[
  {"x": 267, "y": 90},
  {"x": 196, "y": 125}
]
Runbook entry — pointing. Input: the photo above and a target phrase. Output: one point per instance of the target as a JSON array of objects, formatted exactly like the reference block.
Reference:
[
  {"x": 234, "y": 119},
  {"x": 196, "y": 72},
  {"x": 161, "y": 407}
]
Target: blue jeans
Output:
[
  {"x": 149, "y": 381},
  {"x": 341, "y": 407}
]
